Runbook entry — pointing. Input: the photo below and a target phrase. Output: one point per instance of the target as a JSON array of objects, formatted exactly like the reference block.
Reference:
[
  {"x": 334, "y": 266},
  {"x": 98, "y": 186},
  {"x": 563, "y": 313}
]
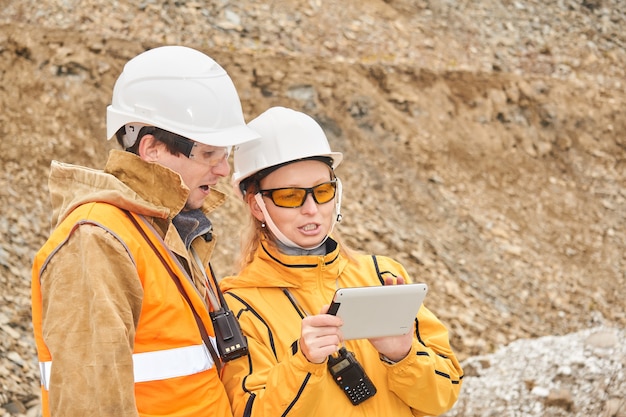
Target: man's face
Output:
[{"x": 200, "y": 171}]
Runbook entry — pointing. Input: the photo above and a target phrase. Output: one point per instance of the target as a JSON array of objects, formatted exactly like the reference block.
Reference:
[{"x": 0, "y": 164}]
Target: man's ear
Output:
[{"x": 149, "y": 148}]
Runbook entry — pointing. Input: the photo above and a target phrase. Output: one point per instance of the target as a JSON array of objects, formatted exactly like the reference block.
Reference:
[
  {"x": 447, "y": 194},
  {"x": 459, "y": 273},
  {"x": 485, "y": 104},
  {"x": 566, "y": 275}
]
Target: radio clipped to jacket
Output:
[
  {"x": 231, "y": 343},
  {"x": 351, "y": 377}
]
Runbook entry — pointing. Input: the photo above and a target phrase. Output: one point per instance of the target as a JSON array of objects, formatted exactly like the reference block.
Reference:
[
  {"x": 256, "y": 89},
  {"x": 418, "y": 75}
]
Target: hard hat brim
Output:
[{"x": 231, "y": 136}]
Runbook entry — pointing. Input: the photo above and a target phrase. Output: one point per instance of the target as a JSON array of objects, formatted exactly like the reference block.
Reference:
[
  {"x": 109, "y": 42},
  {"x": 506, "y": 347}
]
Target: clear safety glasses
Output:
[
  {"x": 209, "y": 155},
  {"x": 294, "y": 197}
]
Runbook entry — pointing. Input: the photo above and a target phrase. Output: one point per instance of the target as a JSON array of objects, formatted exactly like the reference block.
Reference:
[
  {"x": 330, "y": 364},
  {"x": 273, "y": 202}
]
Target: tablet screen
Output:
[{"x": 377, "y": 311}]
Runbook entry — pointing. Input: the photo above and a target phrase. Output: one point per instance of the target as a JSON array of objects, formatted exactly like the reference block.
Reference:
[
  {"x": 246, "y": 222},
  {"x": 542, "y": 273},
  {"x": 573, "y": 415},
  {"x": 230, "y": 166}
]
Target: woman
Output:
[{"x": 291, "y": 268}]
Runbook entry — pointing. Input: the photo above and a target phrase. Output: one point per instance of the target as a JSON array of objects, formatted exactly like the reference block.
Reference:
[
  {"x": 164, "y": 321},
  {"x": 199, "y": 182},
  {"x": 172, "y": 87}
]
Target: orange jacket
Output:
[{"x": 114, "y": 335}]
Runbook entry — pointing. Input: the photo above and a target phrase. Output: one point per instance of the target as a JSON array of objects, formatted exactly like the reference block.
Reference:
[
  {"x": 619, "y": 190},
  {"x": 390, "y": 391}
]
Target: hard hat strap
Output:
[{"x": 274, "y": 229}]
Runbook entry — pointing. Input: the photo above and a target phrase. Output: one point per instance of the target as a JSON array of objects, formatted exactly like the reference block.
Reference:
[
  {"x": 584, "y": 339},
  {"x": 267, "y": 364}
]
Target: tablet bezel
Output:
[{"x": 377, "y": 311}]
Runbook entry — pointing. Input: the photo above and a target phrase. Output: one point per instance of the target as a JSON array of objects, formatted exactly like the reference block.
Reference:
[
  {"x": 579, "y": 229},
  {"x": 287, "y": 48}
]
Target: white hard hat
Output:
[
  {"x": 180, "y": 90},
  {"x": 286, "y": 135}
]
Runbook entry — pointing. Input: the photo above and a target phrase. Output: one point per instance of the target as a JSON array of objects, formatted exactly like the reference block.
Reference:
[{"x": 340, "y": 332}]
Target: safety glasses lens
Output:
[
  {"x": 323, "y": 193},
  {"x": 288, "y": 197},
  {"x": 209, "y": 155},
  {"x": 295, "y": 197}
]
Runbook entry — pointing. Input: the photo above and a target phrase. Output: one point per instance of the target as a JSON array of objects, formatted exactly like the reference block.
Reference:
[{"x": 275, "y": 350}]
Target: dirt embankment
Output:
[{"x": 484, "y": 142}]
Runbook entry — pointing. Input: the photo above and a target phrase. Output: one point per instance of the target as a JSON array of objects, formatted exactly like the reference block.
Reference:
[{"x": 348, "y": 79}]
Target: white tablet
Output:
[{"x": 377, "y": 311}]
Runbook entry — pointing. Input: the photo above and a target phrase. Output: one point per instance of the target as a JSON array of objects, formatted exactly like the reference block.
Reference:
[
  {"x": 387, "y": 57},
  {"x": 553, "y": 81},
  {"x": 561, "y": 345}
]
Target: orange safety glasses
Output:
[{"x": 294, "y": 197}]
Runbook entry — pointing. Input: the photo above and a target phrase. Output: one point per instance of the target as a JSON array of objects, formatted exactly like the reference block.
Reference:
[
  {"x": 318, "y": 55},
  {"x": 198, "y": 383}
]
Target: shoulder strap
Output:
[
  {"x": 179, "y": 285},
  {"x": 378, "y": 273}
]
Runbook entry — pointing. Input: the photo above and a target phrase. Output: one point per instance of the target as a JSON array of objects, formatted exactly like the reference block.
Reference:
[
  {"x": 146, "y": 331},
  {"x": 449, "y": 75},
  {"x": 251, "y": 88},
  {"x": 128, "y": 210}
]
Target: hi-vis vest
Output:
[{"x": 174, "y": 372}]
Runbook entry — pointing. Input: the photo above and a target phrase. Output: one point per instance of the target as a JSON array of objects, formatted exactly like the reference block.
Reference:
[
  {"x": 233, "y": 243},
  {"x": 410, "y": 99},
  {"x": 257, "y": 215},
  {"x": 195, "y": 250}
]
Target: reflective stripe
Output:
[
  {"x": 157, "y": 365},
  {"x": 171, "y": 363},
  {"x": 44, "y": 374}
]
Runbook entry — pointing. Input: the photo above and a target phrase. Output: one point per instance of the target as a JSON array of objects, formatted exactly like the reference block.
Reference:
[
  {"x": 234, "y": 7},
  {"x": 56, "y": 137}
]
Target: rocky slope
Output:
[{"x": 484, "y": 144}]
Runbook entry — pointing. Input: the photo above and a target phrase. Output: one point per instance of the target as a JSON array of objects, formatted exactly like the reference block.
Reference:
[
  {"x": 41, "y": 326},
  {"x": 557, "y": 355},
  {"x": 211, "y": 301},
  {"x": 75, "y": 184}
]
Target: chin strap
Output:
[
  {"x": 337, "y": 215},
  {"x": 274, "y": 229}
]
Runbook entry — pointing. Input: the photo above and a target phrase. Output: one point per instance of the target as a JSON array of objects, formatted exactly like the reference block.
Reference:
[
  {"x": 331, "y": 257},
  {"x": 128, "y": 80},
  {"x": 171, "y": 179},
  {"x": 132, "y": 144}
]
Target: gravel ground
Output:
[{"x": 549, "y": 377}]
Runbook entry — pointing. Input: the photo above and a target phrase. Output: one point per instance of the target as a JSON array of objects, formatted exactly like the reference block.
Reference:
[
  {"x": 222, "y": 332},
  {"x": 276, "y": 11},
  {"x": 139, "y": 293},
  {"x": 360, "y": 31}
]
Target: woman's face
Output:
[{"x": 309, "y": 224}]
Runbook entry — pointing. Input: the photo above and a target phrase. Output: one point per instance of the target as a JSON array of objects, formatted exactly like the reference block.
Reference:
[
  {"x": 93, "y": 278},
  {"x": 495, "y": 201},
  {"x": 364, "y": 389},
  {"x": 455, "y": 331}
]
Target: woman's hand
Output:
[
  {"x": 394, "y": 347},
  {"x": 320, "y": 336}
]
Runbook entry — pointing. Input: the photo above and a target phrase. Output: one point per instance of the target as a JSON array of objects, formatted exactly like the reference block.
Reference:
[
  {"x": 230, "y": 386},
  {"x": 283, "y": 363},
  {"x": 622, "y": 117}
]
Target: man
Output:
[{"x": 120, "y": 291}]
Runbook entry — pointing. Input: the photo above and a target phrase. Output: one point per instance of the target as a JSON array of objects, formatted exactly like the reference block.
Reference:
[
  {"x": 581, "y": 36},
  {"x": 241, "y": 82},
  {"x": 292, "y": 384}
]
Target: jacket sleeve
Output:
[
  {"x": 429, "y": 378},
  {"x": 259, "y": 386},
  {"x": 91, "y": 304}
]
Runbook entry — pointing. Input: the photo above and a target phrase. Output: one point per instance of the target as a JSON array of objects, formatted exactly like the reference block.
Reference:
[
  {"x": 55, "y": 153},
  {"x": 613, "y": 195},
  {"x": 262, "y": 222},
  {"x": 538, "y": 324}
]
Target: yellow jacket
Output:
[
  {"x": 277, "y": 380},
  {"x": 114, "y": 335}
]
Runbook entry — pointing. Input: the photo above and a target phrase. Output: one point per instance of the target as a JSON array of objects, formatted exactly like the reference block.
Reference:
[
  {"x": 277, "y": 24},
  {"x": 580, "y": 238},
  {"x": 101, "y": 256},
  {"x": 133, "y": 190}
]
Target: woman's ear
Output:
[
  {"x": 149, "y": 148},
  {"x": 254, "y": 207}
]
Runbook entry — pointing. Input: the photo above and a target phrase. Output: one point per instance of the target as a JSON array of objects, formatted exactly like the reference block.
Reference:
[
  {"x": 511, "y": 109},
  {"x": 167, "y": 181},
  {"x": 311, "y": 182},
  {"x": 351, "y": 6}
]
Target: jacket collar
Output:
[
  {"x": 271, "y": 268},
  {"x": 128, "y": 182},
  {"x": 155, "y": 184}
]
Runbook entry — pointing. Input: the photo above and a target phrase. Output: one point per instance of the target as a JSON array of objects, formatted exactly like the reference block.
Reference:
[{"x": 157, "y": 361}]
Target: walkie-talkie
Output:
[
  {"x": 231, "y": 343},
  {"x": 350, "y": 376}
]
